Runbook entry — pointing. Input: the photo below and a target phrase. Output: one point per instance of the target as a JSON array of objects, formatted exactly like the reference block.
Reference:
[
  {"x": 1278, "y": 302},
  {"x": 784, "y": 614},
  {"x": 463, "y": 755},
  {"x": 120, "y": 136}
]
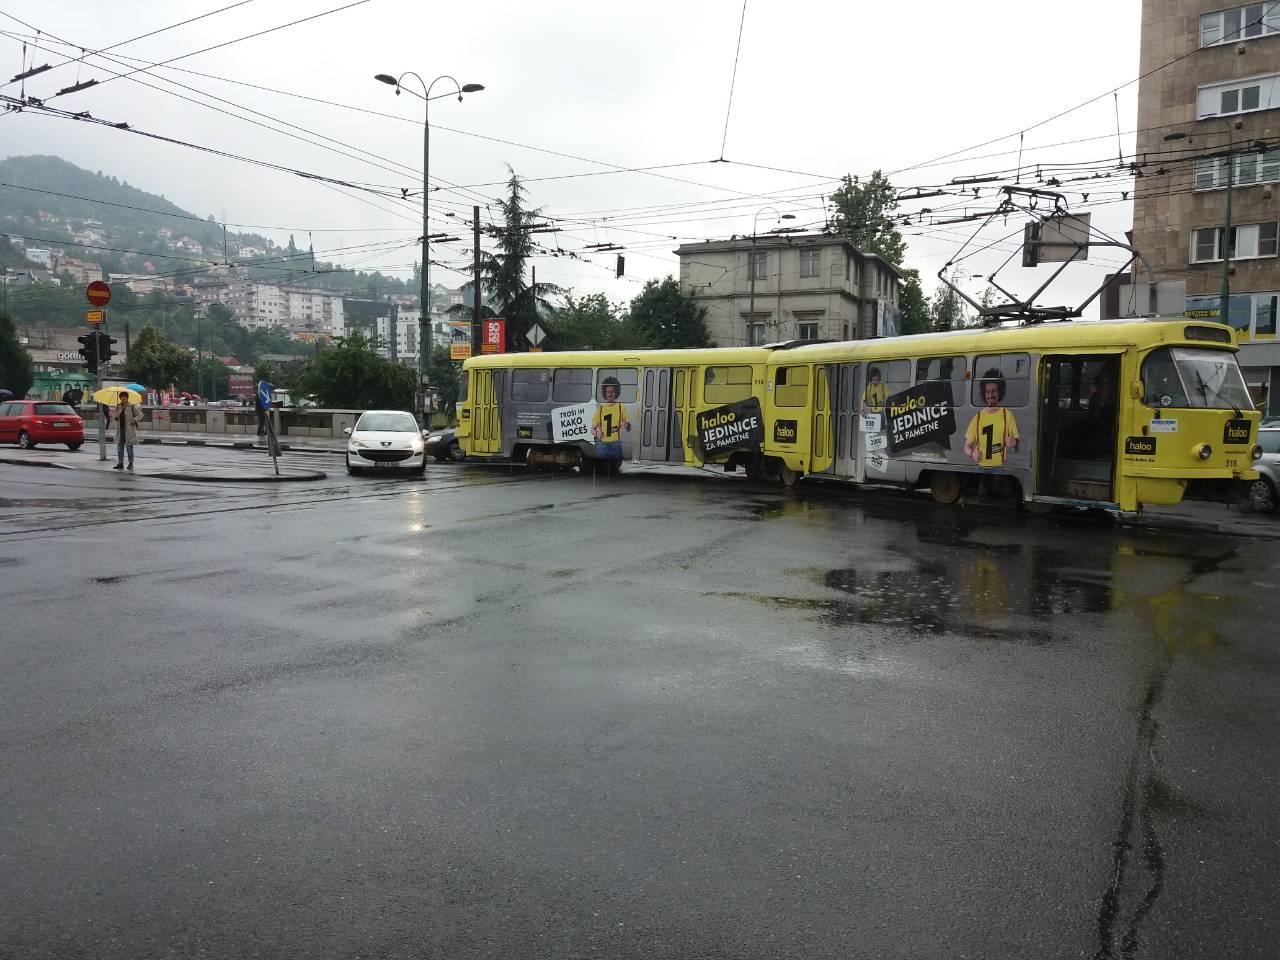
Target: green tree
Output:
[
  {"x": 947, "y": 309},
  {"x": 213, "y": 374},
  {"x": 155, "y": 361},
  {"x": 16, "y": 371},
  {"x": 503, "y": 273},
  {"x": 443, "y": 374},
  {"x": 664, "y": 318},
  {"x": 587, "y": 323},
  {"x": 915, "y": 308},
  {"x": 262, "y": 370},
  {"x": 864, "y": 214},
  {"x": 351, "y": 375}
]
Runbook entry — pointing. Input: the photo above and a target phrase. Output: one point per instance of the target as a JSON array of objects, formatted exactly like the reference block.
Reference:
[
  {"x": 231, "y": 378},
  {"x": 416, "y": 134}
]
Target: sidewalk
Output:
[
  {"x": 161, "y": 467},
  {"x": 234, "y": 441},
  {"x": 1214, "y": 518}
]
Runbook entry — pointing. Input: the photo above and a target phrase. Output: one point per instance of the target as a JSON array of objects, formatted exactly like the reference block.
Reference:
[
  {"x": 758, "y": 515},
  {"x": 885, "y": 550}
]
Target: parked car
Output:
[
  {"x": 29, "y": 422},
  {"x": 385, "y": 439},
  {"x": 443, "y": 445},
  {"x": 1262, "y": 492}
]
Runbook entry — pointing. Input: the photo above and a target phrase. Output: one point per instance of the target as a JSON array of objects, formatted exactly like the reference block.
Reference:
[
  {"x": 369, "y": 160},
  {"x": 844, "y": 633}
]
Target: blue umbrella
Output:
[
  {"x": 5, "y": 394},
  {"x": 135, "y": 386}
]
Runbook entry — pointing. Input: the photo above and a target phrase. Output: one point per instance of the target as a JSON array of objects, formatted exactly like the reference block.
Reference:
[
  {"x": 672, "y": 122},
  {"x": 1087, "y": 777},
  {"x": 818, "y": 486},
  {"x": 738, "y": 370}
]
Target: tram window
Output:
[
  {"x": 463, "y": 382},
  {"x": 1194, "y": 377},
  {"x": 530, "y": 385},
  {"x": 1161, "y": 385},
  {"x": 726, "y": 384},
  {"x": 941, "y": 368},
  {"x": 1010, "y": 373},
  {"x": 791, "y": 386},
  {"x": 628, "y": 378},
  {"x": 571, "y": 385},
  {"x": 884, "y": 379}
]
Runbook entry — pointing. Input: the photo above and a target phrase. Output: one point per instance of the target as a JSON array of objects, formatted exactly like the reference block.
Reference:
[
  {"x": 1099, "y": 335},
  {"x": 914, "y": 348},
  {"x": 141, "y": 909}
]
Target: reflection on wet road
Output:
[{"x": 485, "y": 714}]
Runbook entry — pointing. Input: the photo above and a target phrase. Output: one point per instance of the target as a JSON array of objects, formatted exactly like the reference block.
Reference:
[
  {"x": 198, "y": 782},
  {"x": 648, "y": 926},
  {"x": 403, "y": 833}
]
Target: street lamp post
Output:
[
  {"x": 424, "y": 292},
  {"x": 1224, "y": 307},
  {"x": 751, "y": 269}
]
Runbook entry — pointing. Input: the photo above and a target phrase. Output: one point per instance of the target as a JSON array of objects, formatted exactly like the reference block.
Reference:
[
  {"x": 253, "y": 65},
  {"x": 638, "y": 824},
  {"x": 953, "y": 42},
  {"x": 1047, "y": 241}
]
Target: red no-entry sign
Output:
[{"x": 99, "y": 293}]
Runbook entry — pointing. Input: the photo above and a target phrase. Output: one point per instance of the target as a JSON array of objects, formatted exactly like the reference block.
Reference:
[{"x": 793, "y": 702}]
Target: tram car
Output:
[{"x": 1111, "y": 415}]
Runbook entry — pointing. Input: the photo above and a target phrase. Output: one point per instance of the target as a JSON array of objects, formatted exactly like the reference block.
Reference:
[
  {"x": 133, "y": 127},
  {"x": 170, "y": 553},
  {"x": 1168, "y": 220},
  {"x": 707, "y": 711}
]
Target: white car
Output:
[{"x": 385, "y": 439}]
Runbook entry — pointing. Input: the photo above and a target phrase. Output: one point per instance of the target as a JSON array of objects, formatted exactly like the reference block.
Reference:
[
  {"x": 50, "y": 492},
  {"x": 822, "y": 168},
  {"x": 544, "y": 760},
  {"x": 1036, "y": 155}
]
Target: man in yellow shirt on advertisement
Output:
[
  {"x": 874, "y": 396},
  {"x": 608, "y": 423},
  {"x": 993, "y": 431}
]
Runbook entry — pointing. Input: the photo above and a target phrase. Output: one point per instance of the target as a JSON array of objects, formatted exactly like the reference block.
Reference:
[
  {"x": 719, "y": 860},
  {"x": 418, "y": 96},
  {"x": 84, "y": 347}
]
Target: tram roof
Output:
[{"x": 1081, "y": 335}]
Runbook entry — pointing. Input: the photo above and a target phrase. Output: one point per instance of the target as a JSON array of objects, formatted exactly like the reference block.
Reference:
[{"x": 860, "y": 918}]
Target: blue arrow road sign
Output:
[{"x": 264, "y": 394}]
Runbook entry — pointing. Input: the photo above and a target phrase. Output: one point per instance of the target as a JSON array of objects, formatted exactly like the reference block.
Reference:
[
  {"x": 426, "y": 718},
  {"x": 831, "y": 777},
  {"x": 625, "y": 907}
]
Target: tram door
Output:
[
  {"x": 845, "y": 420},
  {"x": 485, "y": 435},
  {"x": 665, "y": 409},
  {"x": 1078, "y": 416}
]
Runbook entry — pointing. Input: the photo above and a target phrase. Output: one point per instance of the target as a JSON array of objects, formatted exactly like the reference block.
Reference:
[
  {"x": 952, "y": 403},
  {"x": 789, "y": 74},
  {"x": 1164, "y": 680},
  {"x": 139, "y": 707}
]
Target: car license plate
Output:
[{"x": 61, "y": 423}]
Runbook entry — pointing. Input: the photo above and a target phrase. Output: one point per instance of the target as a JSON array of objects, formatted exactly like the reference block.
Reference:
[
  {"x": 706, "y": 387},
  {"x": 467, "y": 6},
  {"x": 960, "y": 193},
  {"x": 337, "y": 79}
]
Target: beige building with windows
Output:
[
  {"x": 1209, "y": 119},
  {"x": 807, "y": 287}
]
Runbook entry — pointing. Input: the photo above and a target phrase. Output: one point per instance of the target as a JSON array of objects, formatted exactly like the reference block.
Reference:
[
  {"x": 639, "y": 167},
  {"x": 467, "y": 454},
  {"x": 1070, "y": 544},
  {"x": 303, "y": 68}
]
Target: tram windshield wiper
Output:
[{"x": 1205, "y": 390}]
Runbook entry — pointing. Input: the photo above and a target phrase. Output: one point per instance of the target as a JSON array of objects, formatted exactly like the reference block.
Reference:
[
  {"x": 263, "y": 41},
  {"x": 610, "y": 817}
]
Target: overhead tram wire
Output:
[
  {"x": 227, "y": 43},
  {"x": 141, "y": 36},
  {"x": 1193, "y": 52},
  {"x": 193, "y": 217},
  {"x": 733, "y": 79}
]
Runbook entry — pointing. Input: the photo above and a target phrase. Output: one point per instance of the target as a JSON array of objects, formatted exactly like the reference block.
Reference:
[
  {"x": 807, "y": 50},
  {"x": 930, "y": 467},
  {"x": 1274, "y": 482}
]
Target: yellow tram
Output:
[{"x": 1114, "y": 414}]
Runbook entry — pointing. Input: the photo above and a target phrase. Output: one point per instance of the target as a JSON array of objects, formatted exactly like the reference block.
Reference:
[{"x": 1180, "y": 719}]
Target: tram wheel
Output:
[
  {"x": 787, "y": 475},
  {"x": 1037, "y": 507},
  {"x": 945, "y": 487}
]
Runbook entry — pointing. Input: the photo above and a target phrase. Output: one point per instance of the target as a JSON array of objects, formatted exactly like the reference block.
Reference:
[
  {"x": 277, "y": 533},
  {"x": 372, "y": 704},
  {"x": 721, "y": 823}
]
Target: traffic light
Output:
[
  {"x": 88, "y": 350},
  {"x": 622, "y": 265},
  {"x": 105, "y": 342}
]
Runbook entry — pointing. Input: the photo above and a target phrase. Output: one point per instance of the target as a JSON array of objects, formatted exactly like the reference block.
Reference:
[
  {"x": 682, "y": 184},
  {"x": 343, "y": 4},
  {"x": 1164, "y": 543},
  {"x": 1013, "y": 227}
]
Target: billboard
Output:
[
  {"x": 241, "y": 385},
  {"x": 493, "y": 336}
]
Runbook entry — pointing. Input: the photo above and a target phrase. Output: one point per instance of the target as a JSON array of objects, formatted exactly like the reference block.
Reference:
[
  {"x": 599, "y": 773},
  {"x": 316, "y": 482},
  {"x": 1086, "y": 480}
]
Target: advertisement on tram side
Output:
[{"x": 975, "y": 419}]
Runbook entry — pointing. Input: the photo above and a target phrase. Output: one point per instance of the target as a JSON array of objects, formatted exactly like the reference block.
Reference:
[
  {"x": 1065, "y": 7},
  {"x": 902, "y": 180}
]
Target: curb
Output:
[
  {"x": 23, "y": 462},
  {"x": 231, "y": 445},
  {"x": 206, "y": 478}
]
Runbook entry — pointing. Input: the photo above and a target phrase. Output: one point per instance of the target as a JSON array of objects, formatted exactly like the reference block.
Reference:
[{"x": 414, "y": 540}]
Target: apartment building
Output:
[
  {"x": 805, "y": 287},
  {"x": 1209, "y": 135},
  {"x": 256, "y": 305}
]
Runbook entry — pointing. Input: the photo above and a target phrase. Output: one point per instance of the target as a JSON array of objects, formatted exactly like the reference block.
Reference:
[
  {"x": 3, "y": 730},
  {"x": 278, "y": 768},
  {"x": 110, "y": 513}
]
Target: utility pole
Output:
[
  {"x": 199, "y": 355},
  {"x": 97, "y": 385},
  {"x": 394, "y": 318},
  {"x": 1224, "y": 314},
  {"x": 475, "y": 315}
]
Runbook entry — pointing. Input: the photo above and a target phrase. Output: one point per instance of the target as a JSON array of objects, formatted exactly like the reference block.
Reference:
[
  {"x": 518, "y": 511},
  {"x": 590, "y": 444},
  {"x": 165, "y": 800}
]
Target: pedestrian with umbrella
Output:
[{"x": 128, "y": 411}]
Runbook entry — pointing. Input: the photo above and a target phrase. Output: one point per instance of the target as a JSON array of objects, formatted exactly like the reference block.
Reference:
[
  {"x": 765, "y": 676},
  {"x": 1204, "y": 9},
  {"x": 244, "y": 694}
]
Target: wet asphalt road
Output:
[{"x": 494, "y": 715}]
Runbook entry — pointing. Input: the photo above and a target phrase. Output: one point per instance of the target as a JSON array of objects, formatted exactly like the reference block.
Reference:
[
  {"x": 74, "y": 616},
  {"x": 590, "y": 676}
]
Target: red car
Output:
[{"x": 28, "y": 422}]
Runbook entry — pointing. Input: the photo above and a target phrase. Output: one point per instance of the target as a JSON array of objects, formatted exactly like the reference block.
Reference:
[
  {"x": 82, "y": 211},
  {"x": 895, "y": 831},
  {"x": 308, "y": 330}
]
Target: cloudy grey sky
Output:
[{"x": 822, "y": 89}]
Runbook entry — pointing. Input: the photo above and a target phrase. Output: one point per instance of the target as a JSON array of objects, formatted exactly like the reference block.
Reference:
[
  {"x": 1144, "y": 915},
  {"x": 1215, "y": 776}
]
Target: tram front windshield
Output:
[{"x": 1194, "y": 377}]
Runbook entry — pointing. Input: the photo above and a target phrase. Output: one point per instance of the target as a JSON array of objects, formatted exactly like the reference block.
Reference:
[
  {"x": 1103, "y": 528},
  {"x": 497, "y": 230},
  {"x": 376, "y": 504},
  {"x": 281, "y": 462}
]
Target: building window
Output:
[
  {"x": 1250, "y": 168},
  {"x": 1240, "y": 23},
  {"x": 1238, "y": 96},
  {"x": 1250, "y": 241},
  {"x": 1253, "y": 314},
  {"x": 809, "y": 331},
  {"x": 810, "y": 261},
  {"x": 758, "y": 334},
  {"x": 757, "y": 265}
]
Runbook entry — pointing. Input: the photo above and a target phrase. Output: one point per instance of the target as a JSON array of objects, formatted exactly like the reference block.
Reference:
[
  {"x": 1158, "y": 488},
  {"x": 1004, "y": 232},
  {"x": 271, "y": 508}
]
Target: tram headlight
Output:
[
  {"x": 1257, "y": 451},
  {"x": 1202, "y": 450}
]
